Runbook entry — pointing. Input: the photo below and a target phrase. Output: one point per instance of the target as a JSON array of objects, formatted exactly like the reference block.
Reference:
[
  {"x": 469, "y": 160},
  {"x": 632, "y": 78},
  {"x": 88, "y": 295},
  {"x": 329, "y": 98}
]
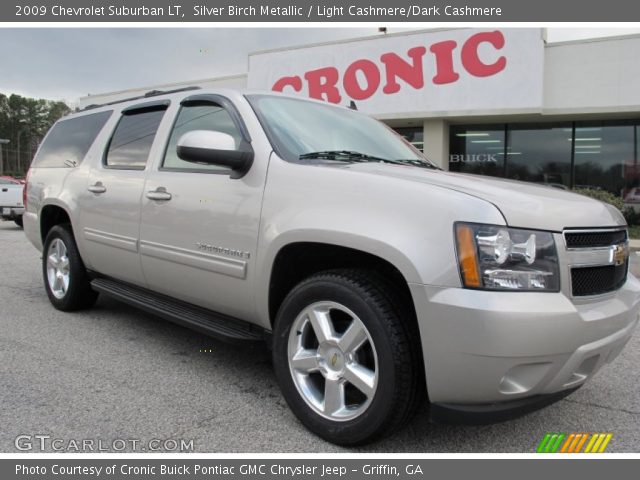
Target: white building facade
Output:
[{"x": 498, "y": 102}]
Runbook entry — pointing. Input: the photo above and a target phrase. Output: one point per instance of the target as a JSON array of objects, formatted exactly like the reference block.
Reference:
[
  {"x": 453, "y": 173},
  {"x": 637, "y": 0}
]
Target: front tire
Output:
[
  {"x": 65, "y": 277},
  {"x": 347, "y": 358}
]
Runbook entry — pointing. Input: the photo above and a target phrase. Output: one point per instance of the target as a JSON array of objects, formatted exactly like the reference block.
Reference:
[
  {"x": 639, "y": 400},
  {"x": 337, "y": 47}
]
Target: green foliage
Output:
[
  {"x": 24, "y": 121},
  {"x": 629, "y": 213},
  {"x": 603, "y": 196}
]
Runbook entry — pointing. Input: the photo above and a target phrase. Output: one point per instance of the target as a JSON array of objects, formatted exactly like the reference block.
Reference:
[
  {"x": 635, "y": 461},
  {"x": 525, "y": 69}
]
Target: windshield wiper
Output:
[
  {"x": 418, "y": 163},
  {"x": 352, "y": 156},
  {"x": 343, "y": 156}
]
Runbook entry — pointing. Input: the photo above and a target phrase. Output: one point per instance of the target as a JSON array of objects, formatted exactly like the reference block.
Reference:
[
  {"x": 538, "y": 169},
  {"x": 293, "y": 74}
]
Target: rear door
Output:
[
  {"x": 110, "y": 217},
  {"x": 199, "y": 227}
]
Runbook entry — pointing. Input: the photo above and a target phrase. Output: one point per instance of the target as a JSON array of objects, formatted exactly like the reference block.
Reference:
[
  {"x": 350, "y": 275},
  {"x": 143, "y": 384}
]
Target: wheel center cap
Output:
[{"x": 331, "y": 359}]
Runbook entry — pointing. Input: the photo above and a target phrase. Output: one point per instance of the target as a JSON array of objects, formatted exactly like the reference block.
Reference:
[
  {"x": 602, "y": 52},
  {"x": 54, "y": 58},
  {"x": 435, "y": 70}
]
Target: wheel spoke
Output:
[
  {"x": 64, "y": 263},
  {"x": 361, "y": 377},
  {"x": 56, "y": 283},
  {"x": 321, "y": 323},
  {"x": 53, "y": 260},
  {"x": 333, "y": 396},
  {"x": 59, "y": 246},
  {"x": 305, "y": 361},
  {"x": 353, "y": 337}
]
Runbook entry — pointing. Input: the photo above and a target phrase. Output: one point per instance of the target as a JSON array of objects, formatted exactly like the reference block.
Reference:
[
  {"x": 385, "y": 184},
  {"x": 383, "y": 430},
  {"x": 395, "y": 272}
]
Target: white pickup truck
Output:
[{"x": 11, "y": 206}]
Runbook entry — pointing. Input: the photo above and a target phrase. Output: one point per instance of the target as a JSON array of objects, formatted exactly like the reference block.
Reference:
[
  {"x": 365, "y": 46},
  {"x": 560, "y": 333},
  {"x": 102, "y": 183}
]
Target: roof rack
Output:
[{"x": 149, "y": 94}]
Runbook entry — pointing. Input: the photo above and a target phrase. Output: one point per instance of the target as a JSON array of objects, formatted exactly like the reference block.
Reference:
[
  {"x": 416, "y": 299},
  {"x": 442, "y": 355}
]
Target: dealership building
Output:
[{"x": 500, "y": 102}]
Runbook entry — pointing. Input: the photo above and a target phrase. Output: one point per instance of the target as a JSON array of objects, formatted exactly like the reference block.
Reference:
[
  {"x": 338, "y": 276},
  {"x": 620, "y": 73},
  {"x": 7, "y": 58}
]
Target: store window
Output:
[
  {"x": 414, "y": 135},
  {"x": 477, "y": 149},
  {"x": 631, "y": 172},
  {"x": 602, "y": 153},
  {"x": 539, "y": 153}
]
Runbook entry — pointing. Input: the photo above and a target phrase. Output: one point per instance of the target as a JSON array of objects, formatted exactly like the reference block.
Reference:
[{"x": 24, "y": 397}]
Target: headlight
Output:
[{"x": 492, "y": 257}]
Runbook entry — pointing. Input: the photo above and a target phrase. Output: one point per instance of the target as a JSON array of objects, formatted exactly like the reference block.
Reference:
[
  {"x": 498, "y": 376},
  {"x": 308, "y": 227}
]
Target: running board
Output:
[{"x": 210, "y": 323}]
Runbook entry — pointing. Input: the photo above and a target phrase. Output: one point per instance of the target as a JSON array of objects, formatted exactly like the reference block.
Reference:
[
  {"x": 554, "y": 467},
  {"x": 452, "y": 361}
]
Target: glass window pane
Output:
[
  {"x": 414, "y": 135},
  {"x": 298, "y": 127},
  {"x": 132, "y": 140},
  {"x": 632, "y": 173},
  {"x": 539, "y": 153},
  {"x": 69, "y": 140},
  {"x": 199, "y": 117},
  {"x": 477, "y": 149},
  {"x": 601, "y": 153}
]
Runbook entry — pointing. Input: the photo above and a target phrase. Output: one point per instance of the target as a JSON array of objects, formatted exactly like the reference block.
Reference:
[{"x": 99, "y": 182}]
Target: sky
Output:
[{"x": 68, "y": 63}]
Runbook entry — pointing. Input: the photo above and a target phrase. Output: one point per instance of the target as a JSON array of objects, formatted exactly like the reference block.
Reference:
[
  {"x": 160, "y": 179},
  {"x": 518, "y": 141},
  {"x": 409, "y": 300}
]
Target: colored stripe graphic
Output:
[
  {"x": 550, "y": 443},
  {"x": 556, "y": 442}
]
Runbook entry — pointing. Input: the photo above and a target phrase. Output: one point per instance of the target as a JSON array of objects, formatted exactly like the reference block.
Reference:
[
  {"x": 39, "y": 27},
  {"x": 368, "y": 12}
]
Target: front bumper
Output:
[{"x": 482, "y": 347}]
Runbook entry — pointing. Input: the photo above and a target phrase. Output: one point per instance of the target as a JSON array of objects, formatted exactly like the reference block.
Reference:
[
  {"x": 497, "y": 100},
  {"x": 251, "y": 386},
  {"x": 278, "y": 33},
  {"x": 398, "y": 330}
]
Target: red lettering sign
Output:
[{"x": 363, "y": 77}]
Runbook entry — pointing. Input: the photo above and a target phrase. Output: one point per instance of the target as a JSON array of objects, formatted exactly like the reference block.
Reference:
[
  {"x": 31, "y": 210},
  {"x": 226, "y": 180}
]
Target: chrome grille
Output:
[
  {"x": 598, "y": 260},
  {"x": 597, "y": 280},
  {"x": 604, "y": 238}
]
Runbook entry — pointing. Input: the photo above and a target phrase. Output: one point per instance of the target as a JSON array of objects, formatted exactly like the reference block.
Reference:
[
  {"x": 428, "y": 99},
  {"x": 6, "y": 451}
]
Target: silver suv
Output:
[{"x": 380, "y": 281}]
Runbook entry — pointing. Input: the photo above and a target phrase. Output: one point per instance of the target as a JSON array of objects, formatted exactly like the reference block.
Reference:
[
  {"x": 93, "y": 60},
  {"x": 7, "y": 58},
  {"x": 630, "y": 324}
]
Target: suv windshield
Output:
[{"x": 304, "y": 130}]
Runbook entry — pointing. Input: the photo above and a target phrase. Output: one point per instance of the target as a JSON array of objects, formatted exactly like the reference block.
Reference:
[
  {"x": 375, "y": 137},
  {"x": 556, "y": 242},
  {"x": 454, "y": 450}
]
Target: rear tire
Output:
[
  {"x": 65, "y": 276},
  {"x": 315, "y": 366},
  {"x": 19, "y": 222}
]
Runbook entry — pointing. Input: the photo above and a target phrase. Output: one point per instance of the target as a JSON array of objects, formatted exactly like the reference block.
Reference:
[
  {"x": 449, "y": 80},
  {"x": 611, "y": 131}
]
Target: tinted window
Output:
[
  {"x": 199, "y": 117},
  {"x": 132, "y": 140},
  {"x": 69, "y": 140},
  {"x": 414, "y": 135},
  {"x": 5, "y": 181},
  {"x": 601, "y": 153},
  {"x": 540, "y": 153},
  {"x": 477, "y": 149}
]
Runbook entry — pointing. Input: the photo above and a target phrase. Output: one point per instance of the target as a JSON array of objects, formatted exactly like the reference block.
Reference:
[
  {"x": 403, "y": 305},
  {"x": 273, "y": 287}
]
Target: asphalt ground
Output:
[{"x": 118, "y": 376}]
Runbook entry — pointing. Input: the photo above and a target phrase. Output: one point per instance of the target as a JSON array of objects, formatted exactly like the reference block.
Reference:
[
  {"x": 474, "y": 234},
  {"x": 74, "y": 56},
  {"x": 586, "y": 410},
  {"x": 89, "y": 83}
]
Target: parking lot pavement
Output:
[{"x": 113, "y": 372}]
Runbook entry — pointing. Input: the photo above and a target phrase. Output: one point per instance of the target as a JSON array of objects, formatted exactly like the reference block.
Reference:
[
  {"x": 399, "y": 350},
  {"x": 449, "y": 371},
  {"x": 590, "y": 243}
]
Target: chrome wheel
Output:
[
  {"x": 58, "y": 273},
  {"x": 333, "y": 361}
]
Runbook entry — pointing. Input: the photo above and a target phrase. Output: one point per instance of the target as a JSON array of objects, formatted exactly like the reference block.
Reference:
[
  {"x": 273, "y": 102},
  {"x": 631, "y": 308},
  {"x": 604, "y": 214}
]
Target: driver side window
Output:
[{"x": 205, "y": 116}]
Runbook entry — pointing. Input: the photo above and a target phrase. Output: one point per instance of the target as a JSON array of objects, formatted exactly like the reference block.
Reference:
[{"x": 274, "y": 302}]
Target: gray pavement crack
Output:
[{"x": 591, "y": 404}]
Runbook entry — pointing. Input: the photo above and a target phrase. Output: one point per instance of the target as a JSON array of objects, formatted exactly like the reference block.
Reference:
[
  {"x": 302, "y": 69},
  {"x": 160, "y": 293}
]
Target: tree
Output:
[{"x": 24, "y": 122}]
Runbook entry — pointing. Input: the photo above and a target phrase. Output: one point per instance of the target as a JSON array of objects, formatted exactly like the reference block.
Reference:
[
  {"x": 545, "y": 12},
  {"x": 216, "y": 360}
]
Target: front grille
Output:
[
  {"x": 597, "y": 280},
  {"x": 594, "y": 238}
]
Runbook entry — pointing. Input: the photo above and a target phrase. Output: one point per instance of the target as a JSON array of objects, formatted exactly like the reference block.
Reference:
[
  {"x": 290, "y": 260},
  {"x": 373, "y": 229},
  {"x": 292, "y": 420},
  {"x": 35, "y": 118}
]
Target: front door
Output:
[{"x": 199, "y": 227}]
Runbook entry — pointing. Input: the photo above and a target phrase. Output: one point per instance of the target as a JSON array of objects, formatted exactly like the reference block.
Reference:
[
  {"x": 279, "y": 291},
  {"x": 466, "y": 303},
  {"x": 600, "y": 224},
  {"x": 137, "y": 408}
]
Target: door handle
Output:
[
  {"x": 159, "y": 194},
  {"x": 97, "y": 187}
]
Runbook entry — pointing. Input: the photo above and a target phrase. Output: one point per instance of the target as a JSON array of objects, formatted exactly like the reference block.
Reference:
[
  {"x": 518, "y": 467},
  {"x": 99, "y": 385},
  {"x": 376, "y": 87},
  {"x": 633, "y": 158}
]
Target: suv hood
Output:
[{"x": 522, "y": 204}]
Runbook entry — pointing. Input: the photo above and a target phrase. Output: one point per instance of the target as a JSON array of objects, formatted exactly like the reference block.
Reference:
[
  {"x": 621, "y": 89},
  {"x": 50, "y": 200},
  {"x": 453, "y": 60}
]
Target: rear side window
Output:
[
  {"x": 69, "y": 141},
  {"x": 131, "y": 142}
]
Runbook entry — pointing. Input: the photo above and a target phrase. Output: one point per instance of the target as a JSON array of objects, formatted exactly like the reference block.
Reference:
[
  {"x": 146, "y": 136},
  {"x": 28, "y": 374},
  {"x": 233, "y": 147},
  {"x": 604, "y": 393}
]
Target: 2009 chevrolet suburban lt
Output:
[{"x": 380, "y": 280}]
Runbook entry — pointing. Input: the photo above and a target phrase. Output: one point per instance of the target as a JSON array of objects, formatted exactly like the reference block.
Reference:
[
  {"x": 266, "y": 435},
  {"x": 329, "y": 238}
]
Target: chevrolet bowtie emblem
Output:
[
  {"x": 619, "y": 254},
  {"x": 334, "y": 359}
]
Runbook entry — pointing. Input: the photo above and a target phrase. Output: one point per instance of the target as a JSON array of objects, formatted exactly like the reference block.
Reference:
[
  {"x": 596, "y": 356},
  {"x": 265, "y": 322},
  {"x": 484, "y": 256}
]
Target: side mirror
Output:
[{"x": 207, "y": 147}]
